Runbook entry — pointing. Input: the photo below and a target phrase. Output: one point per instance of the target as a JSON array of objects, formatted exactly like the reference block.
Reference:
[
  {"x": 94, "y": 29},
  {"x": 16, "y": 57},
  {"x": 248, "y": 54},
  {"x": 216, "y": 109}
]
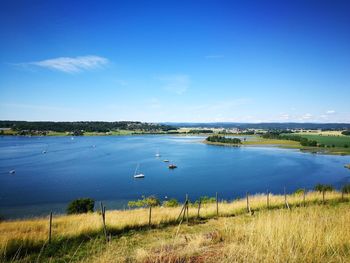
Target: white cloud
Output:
[
  {"x": 176, "y": 83},
  {"x": 284, "y": 116},
  {"x": 330, "y": 112},
  {"x": 69, "y": 64},
  {"x": 306, "y": 116}
]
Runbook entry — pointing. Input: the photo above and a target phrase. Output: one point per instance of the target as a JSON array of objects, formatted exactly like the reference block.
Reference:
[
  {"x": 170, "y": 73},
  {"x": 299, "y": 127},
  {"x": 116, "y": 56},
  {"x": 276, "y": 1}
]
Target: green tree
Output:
[
  {"x": 346, "y": 189},
  {"x": 323, "y": 187},
  {"x": 80, "y": 206}
]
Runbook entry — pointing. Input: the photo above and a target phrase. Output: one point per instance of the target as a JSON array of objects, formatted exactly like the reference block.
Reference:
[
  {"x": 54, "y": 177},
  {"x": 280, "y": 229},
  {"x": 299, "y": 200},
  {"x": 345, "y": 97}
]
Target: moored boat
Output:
[
  {"x": 137, "y": 174},
  {"x": 172, "y": 166}
]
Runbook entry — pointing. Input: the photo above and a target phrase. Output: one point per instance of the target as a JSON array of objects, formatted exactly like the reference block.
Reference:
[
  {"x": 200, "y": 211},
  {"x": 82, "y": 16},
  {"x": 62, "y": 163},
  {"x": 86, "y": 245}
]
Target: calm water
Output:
[{"x": 102, "y": 168}]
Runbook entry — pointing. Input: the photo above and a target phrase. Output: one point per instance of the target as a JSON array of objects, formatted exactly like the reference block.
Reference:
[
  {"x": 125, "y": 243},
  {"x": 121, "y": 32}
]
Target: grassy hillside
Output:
[
  {"x": 317, "y": 233},
  {"x": 337, "y": 141}
]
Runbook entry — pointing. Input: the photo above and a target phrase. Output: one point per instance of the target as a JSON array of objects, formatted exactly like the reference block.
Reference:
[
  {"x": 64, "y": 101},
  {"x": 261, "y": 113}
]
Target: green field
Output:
[{"x": 337, "y": 141}]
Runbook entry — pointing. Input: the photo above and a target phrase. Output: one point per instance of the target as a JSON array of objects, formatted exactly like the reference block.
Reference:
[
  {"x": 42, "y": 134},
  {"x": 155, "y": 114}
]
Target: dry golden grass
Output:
[
  {"x": 34, "y": 232},
  {"x": 312, "y": 234}
]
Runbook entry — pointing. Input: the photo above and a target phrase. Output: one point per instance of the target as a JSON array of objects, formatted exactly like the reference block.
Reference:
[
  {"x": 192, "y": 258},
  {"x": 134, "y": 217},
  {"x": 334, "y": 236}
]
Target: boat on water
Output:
[
  {"x": 44, "y": 152},
  {"x": 137, "y": 174},
  {"x": 157, "y": 154},
  {"x": 166, "y": 161},
  {"x": 172, "y": 166},
  {"x": 12, "y": 172}
]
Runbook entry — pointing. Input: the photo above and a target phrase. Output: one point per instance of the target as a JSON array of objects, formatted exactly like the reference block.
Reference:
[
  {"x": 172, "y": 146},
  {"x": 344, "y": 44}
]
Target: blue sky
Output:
[{"x": 188, "y": 61}]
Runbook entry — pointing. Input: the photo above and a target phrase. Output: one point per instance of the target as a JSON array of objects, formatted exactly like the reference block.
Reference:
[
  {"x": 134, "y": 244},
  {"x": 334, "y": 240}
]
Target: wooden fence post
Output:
[
  {"x": 103, "y": 213},
  {"x": 342, "y": 194},
  {"x": 50, "y": 227},
  {"x": 248, "y": 207},
  {"x": 182, "y": 211},
  {"x": 285, "y": 198},
  {"x": 323, "y": 192},
  {"x": 217, "y": 204},
  {"x": 199, "y": 207},
  {"x": 304, "y": 194},
  {"x": 267, "y": 199},
  {"x": 150, "y": 216},
  {"x": 187, "y": 208}
]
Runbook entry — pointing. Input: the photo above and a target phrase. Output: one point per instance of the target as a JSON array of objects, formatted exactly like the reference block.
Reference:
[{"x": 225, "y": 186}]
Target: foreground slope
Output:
[{"x": 318, "y": 232}]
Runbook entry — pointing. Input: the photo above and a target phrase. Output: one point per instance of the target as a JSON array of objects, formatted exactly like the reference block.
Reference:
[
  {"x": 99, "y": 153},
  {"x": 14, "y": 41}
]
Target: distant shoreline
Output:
[{"x": 285, "y": 144}]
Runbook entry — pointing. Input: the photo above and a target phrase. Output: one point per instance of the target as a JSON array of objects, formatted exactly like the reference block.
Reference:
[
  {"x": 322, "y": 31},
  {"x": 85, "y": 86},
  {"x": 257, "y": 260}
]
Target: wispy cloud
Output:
[
  {"x": 70, "y": 64},
  {"x": 214, "y": 56},
  {"x": 284, "y": 116},
  {"x": 306, "y": 116},
  {"x": 330, "y": 112},
  {"x": 176, "y": 83}
]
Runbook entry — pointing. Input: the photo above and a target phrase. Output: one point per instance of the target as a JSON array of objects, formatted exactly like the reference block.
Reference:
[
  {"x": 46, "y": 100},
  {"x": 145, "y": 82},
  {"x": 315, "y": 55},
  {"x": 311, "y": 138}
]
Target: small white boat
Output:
[
  {"x": 12, "y": 171},
  {"x": 166, "y": 161},
  {"x": 137, "y": 174},
  {"x": 157, "y": 154},
  {"x": 44, "y": 152}
]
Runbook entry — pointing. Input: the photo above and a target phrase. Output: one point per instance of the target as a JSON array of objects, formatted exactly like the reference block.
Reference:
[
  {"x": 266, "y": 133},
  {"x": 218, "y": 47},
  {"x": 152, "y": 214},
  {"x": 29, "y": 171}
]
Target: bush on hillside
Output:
[
  {"x": 346, "y": 189},
  {"x": 323, "y": 187},
  {"x": 80, "y": 206},
  {"x": 299, "y": 191},
  {"x": 145, "y": 202},
  {"x": 206, "y": 200},
  {"x": 171, "y": 203}
]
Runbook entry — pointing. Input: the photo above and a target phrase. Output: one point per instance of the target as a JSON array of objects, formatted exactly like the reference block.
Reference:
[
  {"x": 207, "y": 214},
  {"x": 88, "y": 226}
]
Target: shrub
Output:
[
  {"x": 207, "y": 199},
  {"x": 346, "y": 189},
  {"x": 346, "y": 132},
  {"x": 299, "y": 191},
  {"x": 145, "y": 202},
  {"x": 171, "y": 203},
  {"x": 80, "y": 206},
  {"x": 323, "y": 187}
]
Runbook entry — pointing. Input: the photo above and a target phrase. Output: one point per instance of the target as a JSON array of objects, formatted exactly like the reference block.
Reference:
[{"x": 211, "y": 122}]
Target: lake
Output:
[{"x": 103, "y": 167}]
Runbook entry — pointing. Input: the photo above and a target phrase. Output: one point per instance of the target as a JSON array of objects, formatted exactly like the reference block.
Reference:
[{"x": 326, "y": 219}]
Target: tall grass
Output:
[
  {"x": 315, "y": 234},
  {"x": 32, "y": 234}
]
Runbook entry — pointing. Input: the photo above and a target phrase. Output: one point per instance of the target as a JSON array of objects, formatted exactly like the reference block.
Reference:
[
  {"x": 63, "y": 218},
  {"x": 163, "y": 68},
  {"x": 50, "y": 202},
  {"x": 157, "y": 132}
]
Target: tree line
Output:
[
  {"x": 280, "y": 136},
  {"x": 223, "y": 139},
  {"x": 88, "y": 126}
]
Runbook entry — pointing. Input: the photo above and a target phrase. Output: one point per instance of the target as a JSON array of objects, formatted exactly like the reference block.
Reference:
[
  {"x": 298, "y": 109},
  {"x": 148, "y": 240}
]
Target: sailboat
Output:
[
  {"x": 138, "y": 174},
  {"x": 157, "y": 154}
]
